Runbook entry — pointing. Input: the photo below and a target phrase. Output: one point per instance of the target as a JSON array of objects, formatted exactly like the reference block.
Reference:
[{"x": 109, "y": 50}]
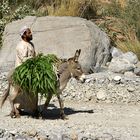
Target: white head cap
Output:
[{"x": 23, "y": 29}]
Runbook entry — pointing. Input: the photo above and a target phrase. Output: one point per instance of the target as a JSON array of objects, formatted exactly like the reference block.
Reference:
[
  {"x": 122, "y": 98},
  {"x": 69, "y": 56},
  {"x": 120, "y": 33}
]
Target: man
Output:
[{"x": 25, "y": 50}]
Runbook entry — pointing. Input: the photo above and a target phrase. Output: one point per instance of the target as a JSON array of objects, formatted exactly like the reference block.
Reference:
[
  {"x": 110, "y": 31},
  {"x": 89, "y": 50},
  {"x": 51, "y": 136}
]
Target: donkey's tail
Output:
[{"x": 4, "y": 96}]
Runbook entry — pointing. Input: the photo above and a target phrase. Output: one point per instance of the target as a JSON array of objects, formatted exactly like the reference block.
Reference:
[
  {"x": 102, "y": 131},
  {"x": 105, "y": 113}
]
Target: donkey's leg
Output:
[
  {"x": 36, "y": 111},
  {"x": 14, "y": 93},
  {"x": 61, "y": 103},
  {"x": 46, "y": 103},
  {"x": 12, "y": 113}
]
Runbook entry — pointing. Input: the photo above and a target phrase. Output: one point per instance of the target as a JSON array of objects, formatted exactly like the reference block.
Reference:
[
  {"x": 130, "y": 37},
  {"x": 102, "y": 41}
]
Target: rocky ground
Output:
[
  {"x": 105, "y": 87},
  {"x": 106, "y": 122},
  {"x": 105, "y": 107}
]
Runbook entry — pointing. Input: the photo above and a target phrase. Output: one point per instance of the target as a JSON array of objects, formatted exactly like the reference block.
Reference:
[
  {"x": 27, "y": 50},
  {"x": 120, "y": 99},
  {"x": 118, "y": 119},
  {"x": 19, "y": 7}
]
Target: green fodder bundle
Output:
[{"x": 37, "y": 75}]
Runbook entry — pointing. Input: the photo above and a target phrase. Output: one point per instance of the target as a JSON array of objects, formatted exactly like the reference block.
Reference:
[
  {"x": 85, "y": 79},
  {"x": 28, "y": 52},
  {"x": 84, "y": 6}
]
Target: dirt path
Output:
[{"x": 106, "y": 122}]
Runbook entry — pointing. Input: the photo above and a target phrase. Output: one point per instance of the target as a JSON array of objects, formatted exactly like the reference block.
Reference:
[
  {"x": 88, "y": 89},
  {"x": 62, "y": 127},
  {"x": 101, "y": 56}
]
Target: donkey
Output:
[{"x": 66, "y": 70}]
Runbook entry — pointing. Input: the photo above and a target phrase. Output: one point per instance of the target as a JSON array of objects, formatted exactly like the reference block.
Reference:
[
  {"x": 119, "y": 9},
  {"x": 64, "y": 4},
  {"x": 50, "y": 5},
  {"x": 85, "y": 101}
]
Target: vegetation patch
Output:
[
  {"x": 37, "y": 75},
  {"x": 10, "y": 12}
]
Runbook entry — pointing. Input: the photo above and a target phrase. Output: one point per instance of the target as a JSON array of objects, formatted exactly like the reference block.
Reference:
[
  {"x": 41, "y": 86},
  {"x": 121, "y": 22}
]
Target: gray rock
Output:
[
  {"x": 2, "y": 133},
  {"x": 120, "y": 65},
  {"x": 101, "y": 95},
  {"x": 32, "y": 133},
  {"x": 130, "y": 56},
  {"x": 117, "y": 78},
  {"x": 137, "y": 71},
  {"x": 123, "y": 63},
  {"x": 115, "y": 52},
  {"x": 131, "y": 89},
  {"x": 138, "y": 64},
  {"x": 129, "y": 74}
]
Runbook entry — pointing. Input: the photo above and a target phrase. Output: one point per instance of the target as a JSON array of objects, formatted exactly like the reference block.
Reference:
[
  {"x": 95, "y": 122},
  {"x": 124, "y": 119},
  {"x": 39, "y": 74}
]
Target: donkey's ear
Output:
[
  {"x": 77, "y": 54},
  {"x": 79, "y": 51}
]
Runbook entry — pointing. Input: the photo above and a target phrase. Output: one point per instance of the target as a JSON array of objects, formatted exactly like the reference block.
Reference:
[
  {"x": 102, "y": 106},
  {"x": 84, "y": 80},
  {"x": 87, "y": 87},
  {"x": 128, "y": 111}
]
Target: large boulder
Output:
[{"x": 60, "y": 36}]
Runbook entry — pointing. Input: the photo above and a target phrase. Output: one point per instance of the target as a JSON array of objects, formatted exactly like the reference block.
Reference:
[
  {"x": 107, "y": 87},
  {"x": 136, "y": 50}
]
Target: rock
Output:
[
  {"x": 43, "y": 138},
  {"x": 60, "y": 36},
  {"x": 32, "y": 133},
  {"x": 137, "y": 71},
  {"x": 123, "y": 63},
  {"x": 129, "y": 74},
  {"x": 130, "y": 56},
  {"x": 138, "y": 64},
  {"x": 2, "y": 133},
  {"x": 101, "y": 95},
  {"x": 19, "y": 137},
  {"x": 13, "y": 132},
  {"x": 120, "y": 65},
  {"x": 117, "y": 78},
  {"x": 131, "y": 89},
  {"x": 89, "y": 95},
  {"x": 115, "y": 52}
]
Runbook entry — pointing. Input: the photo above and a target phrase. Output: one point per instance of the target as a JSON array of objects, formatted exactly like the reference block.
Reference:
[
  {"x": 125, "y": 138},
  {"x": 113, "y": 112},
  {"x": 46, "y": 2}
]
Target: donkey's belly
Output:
[{"x": 26, "y": 102}]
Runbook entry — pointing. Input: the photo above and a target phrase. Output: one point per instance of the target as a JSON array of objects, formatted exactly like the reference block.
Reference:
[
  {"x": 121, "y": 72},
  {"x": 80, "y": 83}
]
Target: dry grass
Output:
[
  {"x": 80, "y": 8},
  {"x": 63, "y": 9}
]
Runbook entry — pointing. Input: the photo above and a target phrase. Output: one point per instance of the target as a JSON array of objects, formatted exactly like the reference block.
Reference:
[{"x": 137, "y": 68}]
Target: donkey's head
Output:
[{"x": 75, "y": 67}]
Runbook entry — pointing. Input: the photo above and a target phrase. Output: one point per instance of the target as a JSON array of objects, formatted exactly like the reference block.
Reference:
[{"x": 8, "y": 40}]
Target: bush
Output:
[
  {"x": 7, "y": 14},
  {"x": 22, "y": 11},
  {"x": 4, "y": 9},
  {"x": 132, "y": 15},
  {"x": 114, "y": 9}
]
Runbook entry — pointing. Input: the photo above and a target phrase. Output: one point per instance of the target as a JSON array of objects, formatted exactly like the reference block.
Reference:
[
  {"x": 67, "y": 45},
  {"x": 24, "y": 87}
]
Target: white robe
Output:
[{"x": 24, "y": 51}]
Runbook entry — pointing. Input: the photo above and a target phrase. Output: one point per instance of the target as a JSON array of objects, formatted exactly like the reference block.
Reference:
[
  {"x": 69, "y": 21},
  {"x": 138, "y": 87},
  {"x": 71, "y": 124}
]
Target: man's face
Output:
[{"x": 28, "y": 35}]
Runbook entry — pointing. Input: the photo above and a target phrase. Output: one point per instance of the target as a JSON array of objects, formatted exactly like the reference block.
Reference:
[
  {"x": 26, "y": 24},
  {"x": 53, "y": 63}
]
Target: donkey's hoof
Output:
[
  {"x": 64, "y": 117},
  {"x": 12, "y": 114},
  {"x": 17, "y": 116}
]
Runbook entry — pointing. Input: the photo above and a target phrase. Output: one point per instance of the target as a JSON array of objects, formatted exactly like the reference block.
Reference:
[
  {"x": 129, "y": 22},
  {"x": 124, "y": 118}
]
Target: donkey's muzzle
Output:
[{"x": 82, "y": 78}]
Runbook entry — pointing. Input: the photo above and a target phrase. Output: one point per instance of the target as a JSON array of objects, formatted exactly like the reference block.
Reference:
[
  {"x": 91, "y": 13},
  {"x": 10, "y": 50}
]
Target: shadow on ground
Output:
[{"x": 54, "y": 113}]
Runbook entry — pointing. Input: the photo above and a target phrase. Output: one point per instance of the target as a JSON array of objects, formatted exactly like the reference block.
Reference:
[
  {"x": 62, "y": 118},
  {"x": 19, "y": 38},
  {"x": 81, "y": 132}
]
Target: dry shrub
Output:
[{"x": 80, "y": 8}]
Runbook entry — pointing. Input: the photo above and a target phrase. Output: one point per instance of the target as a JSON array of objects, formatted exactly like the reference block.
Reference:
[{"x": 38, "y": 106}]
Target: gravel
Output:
[{"x": 100, "y": 109}]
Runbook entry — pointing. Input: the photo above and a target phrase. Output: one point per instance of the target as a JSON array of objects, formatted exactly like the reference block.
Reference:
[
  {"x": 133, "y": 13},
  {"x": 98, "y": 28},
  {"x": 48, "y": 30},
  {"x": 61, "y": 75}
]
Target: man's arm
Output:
[{"x": 22, "y": 53}]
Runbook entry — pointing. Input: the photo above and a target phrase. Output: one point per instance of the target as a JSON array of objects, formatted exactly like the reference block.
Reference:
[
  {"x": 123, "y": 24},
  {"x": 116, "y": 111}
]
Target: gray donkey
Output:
[{"x": 66, "y": 70}]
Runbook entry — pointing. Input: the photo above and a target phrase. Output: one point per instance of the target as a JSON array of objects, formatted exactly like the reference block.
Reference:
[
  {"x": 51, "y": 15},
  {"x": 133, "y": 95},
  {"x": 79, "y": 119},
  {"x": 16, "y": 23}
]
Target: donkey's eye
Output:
[{"x": 78, "y": 68}]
